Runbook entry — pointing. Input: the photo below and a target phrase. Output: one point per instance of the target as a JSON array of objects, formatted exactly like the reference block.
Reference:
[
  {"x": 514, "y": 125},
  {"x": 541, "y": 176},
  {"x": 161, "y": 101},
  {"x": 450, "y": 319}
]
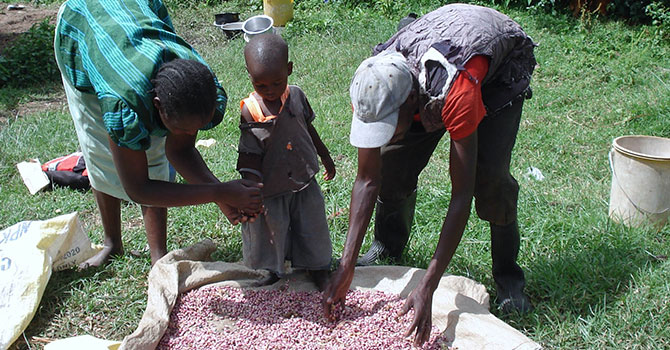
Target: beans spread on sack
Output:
[{"x": 220, "y": 317}]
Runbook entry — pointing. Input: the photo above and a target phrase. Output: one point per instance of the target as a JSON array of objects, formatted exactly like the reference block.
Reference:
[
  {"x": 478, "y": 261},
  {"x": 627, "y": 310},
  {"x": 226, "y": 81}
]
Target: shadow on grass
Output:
[
  {"x": 574, "y": 272},
  {"x": 581, "y": 278}
]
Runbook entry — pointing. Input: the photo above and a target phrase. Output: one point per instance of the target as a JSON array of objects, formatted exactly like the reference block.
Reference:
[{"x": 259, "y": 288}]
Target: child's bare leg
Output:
[
  {"x": 110, "y": 212},
  {"x": 155, "y": 223}
]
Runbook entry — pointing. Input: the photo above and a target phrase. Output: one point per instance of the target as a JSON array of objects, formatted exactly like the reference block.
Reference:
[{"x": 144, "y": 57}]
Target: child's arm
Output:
[
  {"x": 321, "y": 148},
  {"x": 322, "y": 151},
  {"x": 249, "y": 164}
]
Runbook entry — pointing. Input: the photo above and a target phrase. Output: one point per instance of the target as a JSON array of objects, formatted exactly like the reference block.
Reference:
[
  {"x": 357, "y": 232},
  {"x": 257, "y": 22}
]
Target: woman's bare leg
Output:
[
  {"x": 155, "y": 223},
  {"x": 110, "y": 212}
]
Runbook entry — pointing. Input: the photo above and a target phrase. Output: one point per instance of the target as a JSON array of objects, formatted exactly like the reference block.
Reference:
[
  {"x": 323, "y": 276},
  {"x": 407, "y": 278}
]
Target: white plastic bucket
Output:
[{"x": 640, "y": 192}]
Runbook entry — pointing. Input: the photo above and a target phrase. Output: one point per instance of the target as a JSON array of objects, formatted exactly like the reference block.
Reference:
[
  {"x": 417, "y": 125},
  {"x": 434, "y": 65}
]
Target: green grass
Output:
[{"x": 595, "y": 284}]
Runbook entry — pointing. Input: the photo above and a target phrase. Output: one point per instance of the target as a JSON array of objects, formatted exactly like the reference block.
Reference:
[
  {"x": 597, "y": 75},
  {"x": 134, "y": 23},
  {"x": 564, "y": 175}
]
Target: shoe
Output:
[
  {"x": 393, "y": 222},
  {"x": 507, "y": 274},
  {"x": 375, "y": 253},
  {"x": 516, "y": 302}
]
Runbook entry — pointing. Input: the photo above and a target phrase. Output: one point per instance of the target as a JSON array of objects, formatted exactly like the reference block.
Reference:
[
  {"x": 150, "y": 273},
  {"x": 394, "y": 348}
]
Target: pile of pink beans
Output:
[{"x": 233, "y": 318}]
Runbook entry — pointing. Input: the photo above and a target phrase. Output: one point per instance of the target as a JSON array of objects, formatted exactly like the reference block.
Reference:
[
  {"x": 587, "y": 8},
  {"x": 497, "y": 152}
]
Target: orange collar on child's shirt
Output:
[{"x": 255, "y": 108}]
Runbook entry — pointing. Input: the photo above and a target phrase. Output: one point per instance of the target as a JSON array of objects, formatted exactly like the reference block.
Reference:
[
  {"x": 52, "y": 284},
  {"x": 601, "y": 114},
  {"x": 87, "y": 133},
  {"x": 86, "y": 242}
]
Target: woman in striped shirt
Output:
[{"x": 138, "y": 94}]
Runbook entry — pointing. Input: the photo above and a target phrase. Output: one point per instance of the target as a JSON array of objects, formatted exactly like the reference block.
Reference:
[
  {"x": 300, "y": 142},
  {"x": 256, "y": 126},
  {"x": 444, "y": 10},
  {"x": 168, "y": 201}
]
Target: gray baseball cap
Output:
[{"x": 380, "y": 86}]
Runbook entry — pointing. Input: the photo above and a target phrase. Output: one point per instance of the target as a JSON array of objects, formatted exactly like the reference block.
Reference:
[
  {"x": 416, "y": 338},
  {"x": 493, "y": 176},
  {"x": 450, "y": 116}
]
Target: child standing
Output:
[{"x": 279, "y": 147}]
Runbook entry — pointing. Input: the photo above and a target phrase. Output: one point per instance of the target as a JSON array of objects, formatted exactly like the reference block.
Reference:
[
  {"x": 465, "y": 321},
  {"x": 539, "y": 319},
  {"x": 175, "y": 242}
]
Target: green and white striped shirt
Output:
[{"x": 113, "y": 48}]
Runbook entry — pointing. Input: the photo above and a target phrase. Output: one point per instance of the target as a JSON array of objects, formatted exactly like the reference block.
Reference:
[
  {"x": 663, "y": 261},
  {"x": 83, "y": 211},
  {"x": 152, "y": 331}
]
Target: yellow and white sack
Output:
[{"x": 29, "y": 252}]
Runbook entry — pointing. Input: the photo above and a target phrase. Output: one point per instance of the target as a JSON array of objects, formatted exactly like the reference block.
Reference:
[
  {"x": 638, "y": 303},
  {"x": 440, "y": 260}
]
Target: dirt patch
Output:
[
  {"x": 55, "y": 101},
  {"x": 15, "y": 22}
]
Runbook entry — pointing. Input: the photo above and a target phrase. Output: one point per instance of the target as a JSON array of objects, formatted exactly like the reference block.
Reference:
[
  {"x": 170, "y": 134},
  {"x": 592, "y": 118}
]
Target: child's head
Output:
[
  {"x": 266, "y": 56},
  {"x": 185, "y": 95}
]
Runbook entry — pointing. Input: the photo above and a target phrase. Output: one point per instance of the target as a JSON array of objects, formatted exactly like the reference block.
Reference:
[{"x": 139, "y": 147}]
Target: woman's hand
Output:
[
  {"x": 234, "y": 215},
  {"x": 245, "y": 196}
]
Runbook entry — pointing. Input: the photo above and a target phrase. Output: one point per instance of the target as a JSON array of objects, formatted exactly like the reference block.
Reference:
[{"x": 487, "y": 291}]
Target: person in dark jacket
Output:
[{"x": 461, "y": 69}]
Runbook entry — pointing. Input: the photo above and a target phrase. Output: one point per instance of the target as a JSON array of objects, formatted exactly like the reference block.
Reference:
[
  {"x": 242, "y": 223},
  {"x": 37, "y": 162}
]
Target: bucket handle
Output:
[{"x": 626, "y": 194}]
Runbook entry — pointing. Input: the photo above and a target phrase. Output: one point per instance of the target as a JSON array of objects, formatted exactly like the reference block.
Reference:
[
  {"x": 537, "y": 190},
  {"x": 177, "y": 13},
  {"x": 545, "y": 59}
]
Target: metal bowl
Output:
[
  {"x": 229, "y": 22},
  {"x": 226, "y": 17},
  {"x": 257, "y": 25}
]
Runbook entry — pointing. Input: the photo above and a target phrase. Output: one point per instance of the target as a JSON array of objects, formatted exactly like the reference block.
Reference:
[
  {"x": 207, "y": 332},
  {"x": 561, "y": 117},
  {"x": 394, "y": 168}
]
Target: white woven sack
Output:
[{"x": 29, "y": 252}]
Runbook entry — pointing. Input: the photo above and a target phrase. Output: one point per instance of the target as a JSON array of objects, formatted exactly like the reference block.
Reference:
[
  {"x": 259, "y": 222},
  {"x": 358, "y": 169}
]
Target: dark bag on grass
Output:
[{"x": 68, "y": 171}]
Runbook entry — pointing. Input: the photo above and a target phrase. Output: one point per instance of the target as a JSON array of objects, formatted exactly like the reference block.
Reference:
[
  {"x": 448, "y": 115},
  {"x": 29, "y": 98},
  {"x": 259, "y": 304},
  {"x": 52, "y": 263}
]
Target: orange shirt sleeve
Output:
[{"x": 463, "y": 107}]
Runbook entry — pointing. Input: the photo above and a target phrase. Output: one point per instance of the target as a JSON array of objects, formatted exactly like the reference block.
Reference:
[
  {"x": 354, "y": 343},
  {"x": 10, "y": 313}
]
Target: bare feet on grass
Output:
[{"x": 101, "y": 258}]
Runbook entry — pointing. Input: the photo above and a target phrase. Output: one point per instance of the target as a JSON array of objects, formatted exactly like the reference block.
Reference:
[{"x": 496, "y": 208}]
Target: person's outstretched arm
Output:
[
  {"x": 462, "y": 166},
  {"x": 203, "y": 186},
  {"x": 181, "y": 149},
  {"x": 363, "y": 199}
]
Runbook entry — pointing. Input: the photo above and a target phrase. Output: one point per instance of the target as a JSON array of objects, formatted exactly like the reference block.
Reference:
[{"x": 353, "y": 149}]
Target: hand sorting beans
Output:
[{"x": 227, "y": 318}]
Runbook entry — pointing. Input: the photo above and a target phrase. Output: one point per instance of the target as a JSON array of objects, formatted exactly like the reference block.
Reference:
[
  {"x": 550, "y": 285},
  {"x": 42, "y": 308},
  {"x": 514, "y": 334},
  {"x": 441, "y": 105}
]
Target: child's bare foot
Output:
[
  {"x": 320, "y": 278},
  {"x": 101, "y": 258}
]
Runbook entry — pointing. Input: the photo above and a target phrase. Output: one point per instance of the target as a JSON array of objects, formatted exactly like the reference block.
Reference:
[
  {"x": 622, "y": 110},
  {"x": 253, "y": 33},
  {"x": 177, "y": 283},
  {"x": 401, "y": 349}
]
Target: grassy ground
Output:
[{"x": 595, "y": 284}]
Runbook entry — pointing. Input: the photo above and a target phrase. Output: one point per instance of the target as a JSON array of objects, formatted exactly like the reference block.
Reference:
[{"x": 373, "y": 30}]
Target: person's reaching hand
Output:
[
  {"x": 421, "y": 300},
  {"x": 335, "y": 293}
]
